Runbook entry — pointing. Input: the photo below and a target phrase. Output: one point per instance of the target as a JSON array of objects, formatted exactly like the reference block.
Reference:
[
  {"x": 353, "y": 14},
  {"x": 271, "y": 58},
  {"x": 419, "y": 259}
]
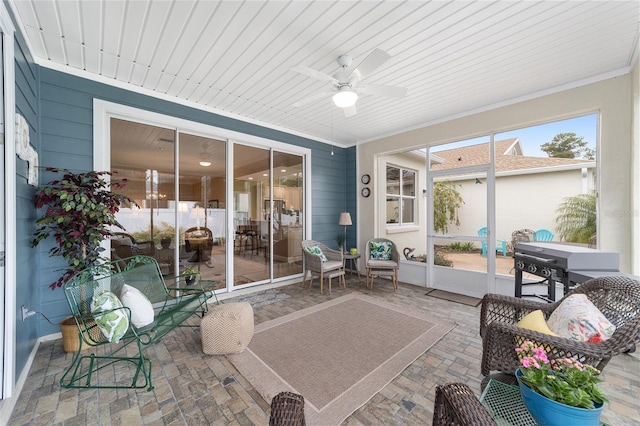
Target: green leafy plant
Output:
[
  {"x": 465, "y": 247},
  {"x": 564, "y": 380},
  {"x": 576, "y": 220},
  {"x": 190, "y": 275},
  {"x": 190, "y": 272},
  {"x": 446, "y": 203},
  {"x": 439, "y": 259},
  {"x": 341, "y": 240},
  {"x": 80, "y": 213}
]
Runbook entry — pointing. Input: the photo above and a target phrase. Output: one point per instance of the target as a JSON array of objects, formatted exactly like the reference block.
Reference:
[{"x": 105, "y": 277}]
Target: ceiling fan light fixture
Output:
[
  {"x": 345, "y": 98},
  {"x": 205, "y": 160}
]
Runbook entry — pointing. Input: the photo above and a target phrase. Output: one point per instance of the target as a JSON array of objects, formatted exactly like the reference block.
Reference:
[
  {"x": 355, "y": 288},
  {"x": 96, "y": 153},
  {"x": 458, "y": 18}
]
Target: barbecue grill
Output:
[{"x": 554, "y": 262}]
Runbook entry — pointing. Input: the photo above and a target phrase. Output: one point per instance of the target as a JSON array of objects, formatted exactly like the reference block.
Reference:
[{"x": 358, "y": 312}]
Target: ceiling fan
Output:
[{"x": 347, "y": 82}]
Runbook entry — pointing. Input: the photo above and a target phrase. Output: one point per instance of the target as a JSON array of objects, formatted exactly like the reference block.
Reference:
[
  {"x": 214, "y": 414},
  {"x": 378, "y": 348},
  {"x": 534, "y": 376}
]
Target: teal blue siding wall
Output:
[
  {"x": 66, "y": 105},
  {"x": 26, "y": 92}
]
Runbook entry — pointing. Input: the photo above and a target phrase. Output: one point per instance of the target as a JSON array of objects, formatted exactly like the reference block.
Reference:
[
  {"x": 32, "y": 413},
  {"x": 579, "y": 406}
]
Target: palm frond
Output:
[{"x": 576, "y": 218}]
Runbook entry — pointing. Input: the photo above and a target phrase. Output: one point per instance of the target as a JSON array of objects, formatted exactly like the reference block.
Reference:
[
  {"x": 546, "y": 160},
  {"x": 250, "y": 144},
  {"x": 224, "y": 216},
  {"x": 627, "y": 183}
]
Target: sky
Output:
[{"x": 532, "y": 137}]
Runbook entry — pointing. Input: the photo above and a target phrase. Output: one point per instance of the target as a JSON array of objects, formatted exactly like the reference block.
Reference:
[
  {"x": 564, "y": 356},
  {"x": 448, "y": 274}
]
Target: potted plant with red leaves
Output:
[{"x": 79, "y": 213}]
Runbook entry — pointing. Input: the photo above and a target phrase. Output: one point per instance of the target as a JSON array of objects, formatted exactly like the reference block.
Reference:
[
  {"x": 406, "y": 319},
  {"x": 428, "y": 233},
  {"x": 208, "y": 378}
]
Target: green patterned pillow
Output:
[
  {"x": 112, "y": 323},
  {"x": 317, "y": 251},
  {"x": 380, "y": 250}
]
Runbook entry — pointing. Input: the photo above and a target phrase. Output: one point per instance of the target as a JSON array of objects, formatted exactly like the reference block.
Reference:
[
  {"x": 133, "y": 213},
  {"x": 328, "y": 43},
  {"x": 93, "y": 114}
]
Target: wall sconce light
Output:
[{"x": 478, "y": 182}]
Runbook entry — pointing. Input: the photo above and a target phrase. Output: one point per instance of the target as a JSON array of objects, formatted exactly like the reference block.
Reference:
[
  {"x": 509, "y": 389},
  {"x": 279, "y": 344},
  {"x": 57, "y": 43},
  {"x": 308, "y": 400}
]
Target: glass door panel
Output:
[
  {"x": 144, "y": 155},
  {"x": 250, "y": 223},
  {"x": 287, "y": 211},
  {"x": 201, "y": 209}
]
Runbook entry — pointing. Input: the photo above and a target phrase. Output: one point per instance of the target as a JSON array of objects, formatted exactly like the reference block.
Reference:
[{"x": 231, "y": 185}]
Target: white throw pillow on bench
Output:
[{"x": 141, "y": 309}]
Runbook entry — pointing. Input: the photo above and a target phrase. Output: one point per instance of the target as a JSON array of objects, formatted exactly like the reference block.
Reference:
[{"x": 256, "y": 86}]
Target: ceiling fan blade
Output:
[
  {"x": 312, "y": 98},
  {"x": 371, "y": 62},
  {"x": 382, "y": 90},
  {"x": 310, "y": 72},
  {"x": 350, "y": 111}
]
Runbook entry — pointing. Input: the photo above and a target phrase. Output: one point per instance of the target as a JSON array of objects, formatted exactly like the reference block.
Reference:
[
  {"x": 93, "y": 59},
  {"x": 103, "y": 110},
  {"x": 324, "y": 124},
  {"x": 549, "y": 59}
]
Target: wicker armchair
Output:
[
  {"x": 123, "y": 245},
  {"x": 287, "y": 409},
  {"x": 617, "y": 297},
  {"x": 457, "y": 405},
  {"x": 330, "y": 269},
  {"x": 379, "y": 268}
]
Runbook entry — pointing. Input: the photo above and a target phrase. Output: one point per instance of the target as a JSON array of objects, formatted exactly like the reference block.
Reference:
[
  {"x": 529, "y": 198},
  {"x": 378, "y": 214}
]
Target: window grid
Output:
[{"x": 400, "y": 196}]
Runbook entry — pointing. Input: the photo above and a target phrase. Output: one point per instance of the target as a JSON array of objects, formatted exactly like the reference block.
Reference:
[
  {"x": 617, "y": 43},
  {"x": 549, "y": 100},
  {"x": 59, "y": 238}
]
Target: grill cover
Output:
[{"x": 569, "y": 257}]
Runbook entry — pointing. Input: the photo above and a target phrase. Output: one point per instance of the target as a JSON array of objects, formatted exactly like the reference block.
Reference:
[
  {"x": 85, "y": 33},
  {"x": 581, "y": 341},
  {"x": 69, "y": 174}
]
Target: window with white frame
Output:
[{"x": 401, "y": 195}]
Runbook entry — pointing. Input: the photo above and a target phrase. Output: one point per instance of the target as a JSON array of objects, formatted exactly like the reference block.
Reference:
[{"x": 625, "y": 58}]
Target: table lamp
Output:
[{"x": 345, "y": 220}]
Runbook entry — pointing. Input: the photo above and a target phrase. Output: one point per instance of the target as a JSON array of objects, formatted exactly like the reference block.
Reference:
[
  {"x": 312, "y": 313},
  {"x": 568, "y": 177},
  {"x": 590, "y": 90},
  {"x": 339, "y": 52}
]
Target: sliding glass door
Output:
[
  {"x": 267, "y": 215},
  {"x": 191, "y": 210}
]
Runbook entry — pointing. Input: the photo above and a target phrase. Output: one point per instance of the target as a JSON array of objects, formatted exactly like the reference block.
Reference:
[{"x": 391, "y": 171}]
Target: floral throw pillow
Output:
[
  {"x": 380, "y": 250},
  {"x": 317, "y": 251},
  {"x": 112, "y": 323},
  {"x": 579, "y": 319}
]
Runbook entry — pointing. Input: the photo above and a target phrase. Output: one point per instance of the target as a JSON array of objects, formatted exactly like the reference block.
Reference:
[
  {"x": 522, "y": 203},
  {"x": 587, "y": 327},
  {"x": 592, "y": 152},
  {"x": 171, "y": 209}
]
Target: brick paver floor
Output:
[{"x": 192, "y": 388}]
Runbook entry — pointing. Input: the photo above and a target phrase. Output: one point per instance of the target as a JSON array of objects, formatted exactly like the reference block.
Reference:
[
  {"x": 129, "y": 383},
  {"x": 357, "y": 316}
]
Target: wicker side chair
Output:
[
  {"x": 380, "y": 268},
  {"x": 617, "y": 297},
  {"x": 287, "y": 409},
  {"x": 457, "y": 405},
  {"x": 333, "y": 267}
]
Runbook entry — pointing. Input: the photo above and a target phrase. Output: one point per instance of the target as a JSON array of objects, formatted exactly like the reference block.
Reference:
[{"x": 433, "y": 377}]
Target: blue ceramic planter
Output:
[{"x": 548, "y": 412}]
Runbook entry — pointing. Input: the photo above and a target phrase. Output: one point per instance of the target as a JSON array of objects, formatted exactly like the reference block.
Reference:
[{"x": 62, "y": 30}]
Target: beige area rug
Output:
[
  {"x": 337, "y": 354},
  {"x": 454, "y": 297}
]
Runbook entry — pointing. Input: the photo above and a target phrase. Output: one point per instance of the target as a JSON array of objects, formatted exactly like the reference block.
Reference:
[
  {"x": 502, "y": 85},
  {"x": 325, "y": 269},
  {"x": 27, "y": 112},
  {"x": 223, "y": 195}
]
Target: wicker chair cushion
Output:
[
  {"x": 317, "y": 251},
  {"x": 535, "y": 321},
  {"x": 380, "y": 250},
  {"x": 382, "y": 264},
  {"x": 331, "y": 265},
  {"x": 578, "y": 319}
]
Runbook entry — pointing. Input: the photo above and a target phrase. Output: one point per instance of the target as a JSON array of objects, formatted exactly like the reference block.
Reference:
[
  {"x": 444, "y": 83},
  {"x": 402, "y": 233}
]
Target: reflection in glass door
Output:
[
  {"x": 201, "y": 207},
  {"x": 287, "y": 212},
  {"x": 179, "y": 223},
  {"x": 179, "y": 181},
  {"x": 267, "y": 215},
  {"x": 250, "y": 226}
]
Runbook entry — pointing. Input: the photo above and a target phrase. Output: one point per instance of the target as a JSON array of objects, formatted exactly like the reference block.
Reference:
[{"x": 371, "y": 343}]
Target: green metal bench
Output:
[{"x": 172, "y": 306}]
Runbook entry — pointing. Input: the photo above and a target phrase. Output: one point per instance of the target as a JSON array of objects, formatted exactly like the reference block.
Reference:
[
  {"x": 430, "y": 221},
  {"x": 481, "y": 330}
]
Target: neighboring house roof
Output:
[{"x": 508, "y": 158}]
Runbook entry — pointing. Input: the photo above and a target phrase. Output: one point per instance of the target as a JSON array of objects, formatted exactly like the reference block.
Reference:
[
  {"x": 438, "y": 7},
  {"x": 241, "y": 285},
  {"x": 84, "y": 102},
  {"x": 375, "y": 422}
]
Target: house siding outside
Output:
[{"x": 27, "y": 290}]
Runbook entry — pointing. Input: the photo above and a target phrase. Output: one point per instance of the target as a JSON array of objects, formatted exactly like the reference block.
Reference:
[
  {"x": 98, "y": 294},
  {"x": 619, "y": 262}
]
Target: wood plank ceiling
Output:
[{"x": 235, "y": 57}]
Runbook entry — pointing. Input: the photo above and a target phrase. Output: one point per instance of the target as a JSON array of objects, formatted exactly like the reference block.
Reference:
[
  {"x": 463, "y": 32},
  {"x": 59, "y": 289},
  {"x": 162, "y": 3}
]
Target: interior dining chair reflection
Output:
[{"x": 200, "y": 240}]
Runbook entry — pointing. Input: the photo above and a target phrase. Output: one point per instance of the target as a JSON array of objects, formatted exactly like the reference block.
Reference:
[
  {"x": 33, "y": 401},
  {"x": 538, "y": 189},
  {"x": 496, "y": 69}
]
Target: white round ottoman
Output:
[{"x": 227, "y": 328}]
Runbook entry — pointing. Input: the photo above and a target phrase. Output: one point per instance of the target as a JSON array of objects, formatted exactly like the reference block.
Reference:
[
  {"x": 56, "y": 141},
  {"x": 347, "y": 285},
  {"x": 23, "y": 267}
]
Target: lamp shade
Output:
[
  {"x": 345, "y": 98},
  {"x": 345, "y": 219}
]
